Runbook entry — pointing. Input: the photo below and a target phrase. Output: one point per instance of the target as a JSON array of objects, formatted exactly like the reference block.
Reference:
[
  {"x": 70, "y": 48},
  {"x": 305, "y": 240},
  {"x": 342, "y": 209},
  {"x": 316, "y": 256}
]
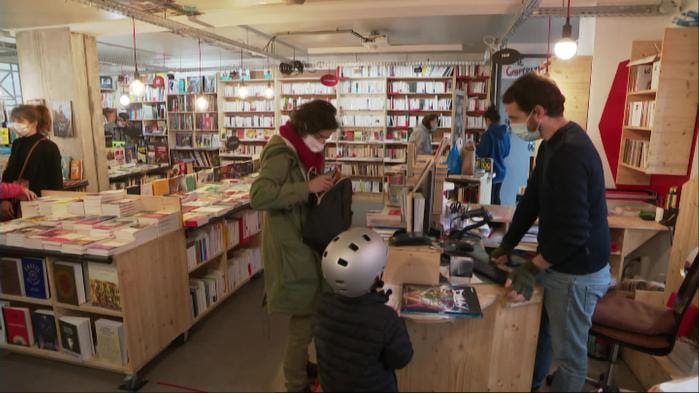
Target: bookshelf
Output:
[
  {"x": 474, "y": 80},
  {"x": 150, "y": 324},
  {"x": 194, "y": 135},
  {"x": 252, "y": 117},
  {"x": 299, "y": 89},
  {"x": 660, "y": 110}
]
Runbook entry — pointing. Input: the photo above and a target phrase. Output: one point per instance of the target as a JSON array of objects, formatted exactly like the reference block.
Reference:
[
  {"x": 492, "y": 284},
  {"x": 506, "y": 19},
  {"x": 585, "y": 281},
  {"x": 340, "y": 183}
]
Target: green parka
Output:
[{"x": 292, "y": 269}]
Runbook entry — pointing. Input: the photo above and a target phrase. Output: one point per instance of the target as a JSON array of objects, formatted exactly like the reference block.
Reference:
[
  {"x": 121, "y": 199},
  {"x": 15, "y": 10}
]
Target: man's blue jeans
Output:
[{"x": 569, "y": 302}]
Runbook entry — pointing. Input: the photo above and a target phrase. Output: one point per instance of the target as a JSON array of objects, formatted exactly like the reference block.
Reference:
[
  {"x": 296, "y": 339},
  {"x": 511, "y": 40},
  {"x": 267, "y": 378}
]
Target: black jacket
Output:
[
  {"x": 43, "y": 170},
  {"x": 359, "y": 343},
  {"x": 566, "y": 192}
]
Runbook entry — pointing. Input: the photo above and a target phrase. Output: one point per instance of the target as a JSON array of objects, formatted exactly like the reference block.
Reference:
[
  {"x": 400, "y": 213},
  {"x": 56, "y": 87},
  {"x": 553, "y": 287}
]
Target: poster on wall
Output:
[
  {"x": 62, "y": 113},
  {"x": 106, "y": 82}
]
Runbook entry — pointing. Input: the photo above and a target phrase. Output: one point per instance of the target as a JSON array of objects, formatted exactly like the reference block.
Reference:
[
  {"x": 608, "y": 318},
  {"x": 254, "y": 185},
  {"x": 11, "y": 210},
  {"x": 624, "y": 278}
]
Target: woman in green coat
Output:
[{"x": 292, "y": 269}]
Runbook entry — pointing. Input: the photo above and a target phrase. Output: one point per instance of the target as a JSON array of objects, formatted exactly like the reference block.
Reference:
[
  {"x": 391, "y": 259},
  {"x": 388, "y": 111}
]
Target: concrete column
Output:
[{"x": 56, "y": 64}]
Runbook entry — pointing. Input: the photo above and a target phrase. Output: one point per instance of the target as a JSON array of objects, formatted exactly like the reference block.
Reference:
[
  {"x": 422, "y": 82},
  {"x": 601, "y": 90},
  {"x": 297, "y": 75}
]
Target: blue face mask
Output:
[{"x": 523, "y": 132}]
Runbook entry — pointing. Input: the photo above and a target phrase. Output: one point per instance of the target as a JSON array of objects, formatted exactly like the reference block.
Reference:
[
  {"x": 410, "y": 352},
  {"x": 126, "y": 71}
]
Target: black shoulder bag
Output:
[{"x": 331, "y": 214}]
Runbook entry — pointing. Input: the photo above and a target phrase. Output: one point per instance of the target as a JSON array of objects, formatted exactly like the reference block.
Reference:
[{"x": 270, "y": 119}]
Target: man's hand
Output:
[
  {"x": 522, "y": 280},
  {"x": 500, "y": 256}
]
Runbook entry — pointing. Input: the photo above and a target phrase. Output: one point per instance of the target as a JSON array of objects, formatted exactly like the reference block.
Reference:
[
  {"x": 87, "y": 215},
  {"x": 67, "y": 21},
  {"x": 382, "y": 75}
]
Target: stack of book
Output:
[{"x": 93, "y": 201}]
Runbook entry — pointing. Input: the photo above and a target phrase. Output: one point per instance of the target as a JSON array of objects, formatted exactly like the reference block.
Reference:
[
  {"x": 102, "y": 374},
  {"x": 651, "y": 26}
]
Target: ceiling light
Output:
[
  {"x": 201, "y": 103},
  {"x": 566, "y": 47},
  {"x": 124, "y": 100},
  {"x": 243, "y": 91},
  {"x": 136, "y": 87},
  {"x": 269, "y": 92}
]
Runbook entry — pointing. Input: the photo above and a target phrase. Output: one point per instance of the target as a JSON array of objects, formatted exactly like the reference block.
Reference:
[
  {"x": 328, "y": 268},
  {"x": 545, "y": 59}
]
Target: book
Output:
[
  {"x": 36, "y": 283},
  {"x": 109, "y": 247},
  {"x": 76, "y": 337},
  {"x": 18, "y": 325},
  {"x": 137, "y": 232},
  {"x": 441, "y": 300},
  {"x": 111, "y": 343},
  {"x": 104, "y": 285},
  {"x": 418, "y": 212},
  {"x": 70, "y": 284},
  {"x": 45, "y": 332},
  {"x": 11, "y": 280},
  {"x": 76, "y": 169},
  {"x": 3, "y": 331}
]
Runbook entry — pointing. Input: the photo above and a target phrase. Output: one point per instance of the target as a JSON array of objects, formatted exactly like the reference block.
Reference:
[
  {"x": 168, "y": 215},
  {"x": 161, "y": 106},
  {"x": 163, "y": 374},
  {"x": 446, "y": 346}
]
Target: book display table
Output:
[{"x": 495, "y": 353}]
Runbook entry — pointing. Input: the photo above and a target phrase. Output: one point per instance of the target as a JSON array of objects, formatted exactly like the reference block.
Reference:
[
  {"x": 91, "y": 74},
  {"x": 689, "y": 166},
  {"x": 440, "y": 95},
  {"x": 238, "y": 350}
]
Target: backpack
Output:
[{"x": 331, "y": 214}]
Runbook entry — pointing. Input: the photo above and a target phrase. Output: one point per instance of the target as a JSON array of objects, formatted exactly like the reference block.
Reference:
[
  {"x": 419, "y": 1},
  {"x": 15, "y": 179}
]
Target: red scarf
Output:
[{"x": 307, "y": 157}]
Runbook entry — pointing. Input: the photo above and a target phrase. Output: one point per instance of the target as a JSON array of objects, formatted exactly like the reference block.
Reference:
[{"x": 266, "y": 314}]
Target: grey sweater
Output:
[{"x": 422, "y": 138}]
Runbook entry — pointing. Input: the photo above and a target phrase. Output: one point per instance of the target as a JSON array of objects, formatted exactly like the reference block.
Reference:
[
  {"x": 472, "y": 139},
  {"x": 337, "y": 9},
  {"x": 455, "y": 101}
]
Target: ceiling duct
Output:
[
  {"x": 525, "y": 11},
  {"x": 179, "y": 28},
  {"x": 663, "y": 7}
]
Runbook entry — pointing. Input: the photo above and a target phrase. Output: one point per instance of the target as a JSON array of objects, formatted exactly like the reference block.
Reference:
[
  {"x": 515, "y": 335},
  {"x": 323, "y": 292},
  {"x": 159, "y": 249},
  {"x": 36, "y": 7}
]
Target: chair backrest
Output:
[{"x": 686, "y": 292}]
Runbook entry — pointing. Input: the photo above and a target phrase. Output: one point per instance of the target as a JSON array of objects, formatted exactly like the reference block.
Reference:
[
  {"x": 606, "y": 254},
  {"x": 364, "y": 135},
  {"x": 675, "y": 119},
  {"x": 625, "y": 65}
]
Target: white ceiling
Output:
[{"x": 405, "y": 22}]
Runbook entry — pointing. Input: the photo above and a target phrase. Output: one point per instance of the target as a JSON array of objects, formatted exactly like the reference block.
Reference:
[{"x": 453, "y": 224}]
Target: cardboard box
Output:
[{"x": 412, "y": 265}]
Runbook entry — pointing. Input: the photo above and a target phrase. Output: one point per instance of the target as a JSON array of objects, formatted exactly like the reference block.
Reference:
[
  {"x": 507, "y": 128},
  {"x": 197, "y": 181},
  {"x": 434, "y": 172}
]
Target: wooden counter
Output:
[{"x": 495, "y": 353}]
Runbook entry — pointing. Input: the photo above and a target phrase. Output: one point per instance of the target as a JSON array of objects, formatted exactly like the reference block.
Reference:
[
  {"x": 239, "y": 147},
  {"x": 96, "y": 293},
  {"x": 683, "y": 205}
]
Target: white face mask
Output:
[
  {"x": 20, "y": 128},
  {"x": 314, "y": 144},
  {"x": 523, "y": 131}
]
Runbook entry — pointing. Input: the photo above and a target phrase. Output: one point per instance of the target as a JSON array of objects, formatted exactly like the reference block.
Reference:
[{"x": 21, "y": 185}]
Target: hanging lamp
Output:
[
  {"x": 201, "y": 103},
  {"x": 566, "y": 47},
  {"x": 136, "y": 87},
  {"x": 124, "y": 98},
  {"x": 269, "y": 91},
  {"x": 242, "y": 90}
]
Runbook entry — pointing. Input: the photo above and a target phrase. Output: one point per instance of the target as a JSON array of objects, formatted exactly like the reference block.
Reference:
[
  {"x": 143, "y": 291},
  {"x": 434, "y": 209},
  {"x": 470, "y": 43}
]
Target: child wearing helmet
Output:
[{"x": 360, "y": 341}]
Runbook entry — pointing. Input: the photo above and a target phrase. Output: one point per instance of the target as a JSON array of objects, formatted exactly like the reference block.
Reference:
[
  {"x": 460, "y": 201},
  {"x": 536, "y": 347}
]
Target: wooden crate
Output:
[{"x": 412, "y": 265}]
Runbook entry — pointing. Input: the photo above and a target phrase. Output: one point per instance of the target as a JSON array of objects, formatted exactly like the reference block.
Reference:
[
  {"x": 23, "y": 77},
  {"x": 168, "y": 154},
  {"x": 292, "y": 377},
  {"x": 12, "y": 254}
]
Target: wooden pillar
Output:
[{"x": 55, "y": 64}]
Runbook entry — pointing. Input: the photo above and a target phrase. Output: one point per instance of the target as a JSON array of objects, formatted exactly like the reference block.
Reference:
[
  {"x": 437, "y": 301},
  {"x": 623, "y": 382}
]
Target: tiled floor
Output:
[{"x": 237, "y": 348}]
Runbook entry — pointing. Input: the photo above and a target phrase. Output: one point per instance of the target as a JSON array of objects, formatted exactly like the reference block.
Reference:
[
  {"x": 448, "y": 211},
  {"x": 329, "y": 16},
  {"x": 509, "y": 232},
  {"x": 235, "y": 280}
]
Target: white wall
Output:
[{"x": 613, "y": 38}]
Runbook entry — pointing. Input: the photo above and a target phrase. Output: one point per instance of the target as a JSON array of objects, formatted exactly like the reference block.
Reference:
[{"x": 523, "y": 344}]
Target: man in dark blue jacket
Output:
[
  {"x": 566, "y": 193},
  {"x": 495, "y": 144}
]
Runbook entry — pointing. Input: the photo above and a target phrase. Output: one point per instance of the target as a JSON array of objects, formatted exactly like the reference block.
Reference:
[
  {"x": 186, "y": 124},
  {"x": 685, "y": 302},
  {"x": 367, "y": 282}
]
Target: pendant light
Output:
[
  {"x": 269, "y": 91},
  {"x": 136, "y": 87},
  {"x": 242, "y": 90},
  {"x": 124, "y": 99},
  {"x": 201, "y": 103},
  {"x": 566, "y": 47}
]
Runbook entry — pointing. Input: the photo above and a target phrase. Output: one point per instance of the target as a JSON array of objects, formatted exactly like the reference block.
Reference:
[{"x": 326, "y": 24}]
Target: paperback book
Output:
[{"x": 442, "y": 300}]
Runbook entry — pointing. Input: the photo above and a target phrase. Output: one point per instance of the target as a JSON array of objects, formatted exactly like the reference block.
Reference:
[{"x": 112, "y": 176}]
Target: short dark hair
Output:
[
  {"x": 313, "y": 117},
  {"x": 531, "y": 90},
  {"x": 492, "y": 114},
  {"x": 428, "y": 119}
]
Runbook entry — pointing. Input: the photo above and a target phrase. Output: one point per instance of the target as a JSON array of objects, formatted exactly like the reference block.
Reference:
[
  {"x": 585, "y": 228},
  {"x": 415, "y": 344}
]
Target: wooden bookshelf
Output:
[
  {"x": 152, "y": 278},
  {"x": 228, "y": 98},
  {"x": 670, "y": 132},
  {"x": 181, "y": 110}
]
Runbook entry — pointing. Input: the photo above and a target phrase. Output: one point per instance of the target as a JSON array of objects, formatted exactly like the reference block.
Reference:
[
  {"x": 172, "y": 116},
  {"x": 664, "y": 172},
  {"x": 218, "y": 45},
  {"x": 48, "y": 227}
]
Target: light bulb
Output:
[
  {"x": 124, "y": 100},
  {"x": 243, "y": 91},
  {"x": 565, "y": 48},
  {"x": 201, "y": 103},
  {"x": 269, "y": 92},
  {"x": 137, "y": 88}
]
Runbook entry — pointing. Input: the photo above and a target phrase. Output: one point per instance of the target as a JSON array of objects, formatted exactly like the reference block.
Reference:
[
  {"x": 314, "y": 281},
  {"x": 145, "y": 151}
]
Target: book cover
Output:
[
  {"x": 35, "y": 281},
  {"x": 18, "y": 325},
  {"x": 441, "y": 300},
  {"x": 3, "y": 332},
  {"x": 76, "y": 337},
  {"x": 68, "y": 278},
  {"x": 11, "y": 282},
  {"x": 44, "y": 322},
  {"x": 104, "y": 285},
  {"x": 111, "y": 346}
]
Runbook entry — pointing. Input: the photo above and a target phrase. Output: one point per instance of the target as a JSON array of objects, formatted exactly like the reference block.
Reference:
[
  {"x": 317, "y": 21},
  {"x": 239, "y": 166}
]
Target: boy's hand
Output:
[{"x": 27, "y": 195}]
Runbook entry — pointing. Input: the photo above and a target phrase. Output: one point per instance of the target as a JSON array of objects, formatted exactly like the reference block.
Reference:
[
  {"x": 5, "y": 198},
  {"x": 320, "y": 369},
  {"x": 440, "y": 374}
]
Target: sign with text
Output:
[{"x": 523, "y": 66}]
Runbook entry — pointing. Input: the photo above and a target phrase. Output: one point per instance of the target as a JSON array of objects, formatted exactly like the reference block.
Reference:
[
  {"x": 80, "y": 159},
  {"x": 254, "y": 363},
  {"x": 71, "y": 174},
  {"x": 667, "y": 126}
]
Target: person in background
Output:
[
  {"x": 422, "y": 134},
  {"x": 360, "y": 341},
  {"x": 292, "y": 269},
  {"x": 495, "y": 144},
  {"x": 35, "y": 161},
  {"x": 110, "y": 123},
  {"x": 566, "y": 192}
]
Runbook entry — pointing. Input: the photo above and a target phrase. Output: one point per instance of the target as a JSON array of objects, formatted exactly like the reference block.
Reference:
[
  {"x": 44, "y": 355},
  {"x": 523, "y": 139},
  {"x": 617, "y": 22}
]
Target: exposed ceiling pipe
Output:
[
  {"x": 179, "y": 28},
  {"x": 323, "y": 32},
  {"x": 663, "y": 7},
  {"x": 276, "y": 41},
  {"x": 524, "y": 13}
]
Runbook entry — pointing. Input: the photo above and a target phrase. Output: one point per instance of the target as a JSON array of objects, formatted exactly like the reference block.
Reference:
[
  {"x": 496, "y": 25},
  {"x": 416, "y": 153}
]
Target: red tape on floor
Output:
[{"x": 180, "y": 387}]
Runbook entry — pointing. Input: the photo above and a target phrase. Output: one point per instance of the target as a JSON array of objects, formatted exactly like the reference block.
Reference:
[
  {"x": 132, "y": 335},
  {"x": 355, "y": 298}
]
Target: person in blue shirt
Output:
[{"x": 495, "y": 144}]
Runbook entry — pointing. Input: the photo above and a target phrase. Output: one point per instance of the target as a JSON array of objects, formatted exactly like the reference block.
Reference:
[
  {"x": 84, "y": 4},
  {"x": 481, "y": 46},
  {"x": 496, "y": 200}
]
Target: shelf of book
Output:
[
  {"x": 86, "y": 308},
  {"x": 658, "y": 109},
  {"x": 62, "y": 357},
  {"x": 202, "y": 264},
  {"x": 25, "y": 299}
]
